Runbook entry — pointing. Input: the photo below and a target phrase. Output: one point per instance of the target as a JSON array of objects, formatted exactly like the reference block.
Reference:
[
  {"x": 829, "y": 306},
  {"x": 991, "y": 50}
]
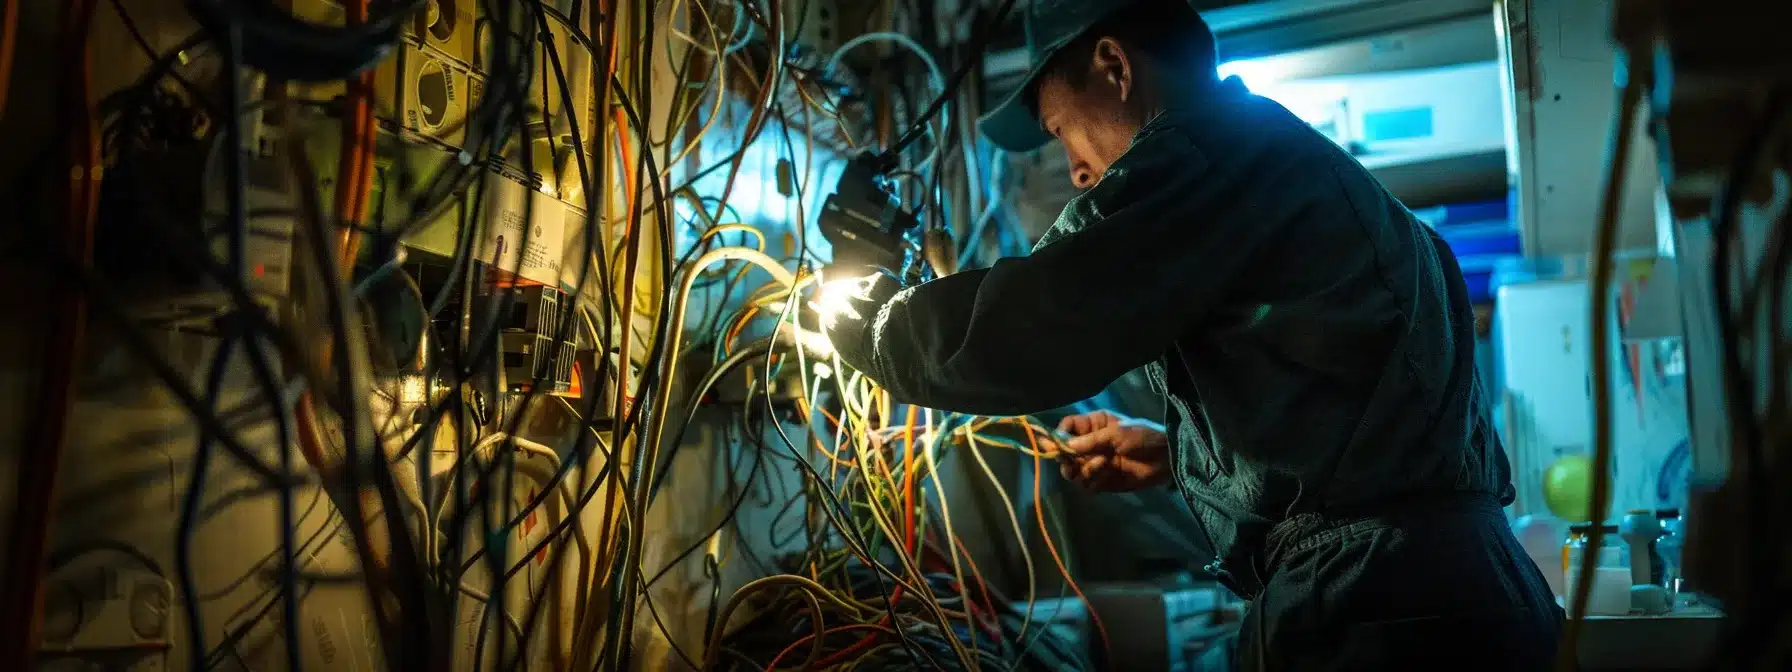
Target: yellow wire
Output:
[
  {"x": 1020, "y": 536},
  {"x": 721, "y": 88},
  {"x": 887, "y": 528},
  {"x": 928, "y": 453}
]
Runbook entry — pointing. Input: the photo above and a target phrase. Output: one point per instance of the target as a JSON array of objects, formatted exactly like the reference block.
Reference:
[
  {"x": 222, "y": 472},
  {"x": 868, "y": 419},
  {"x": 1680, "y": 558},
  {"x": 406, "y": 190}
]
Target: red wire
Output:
[
  {"x": 9, "y": 33},
  {"x": 805, "y": 639}
]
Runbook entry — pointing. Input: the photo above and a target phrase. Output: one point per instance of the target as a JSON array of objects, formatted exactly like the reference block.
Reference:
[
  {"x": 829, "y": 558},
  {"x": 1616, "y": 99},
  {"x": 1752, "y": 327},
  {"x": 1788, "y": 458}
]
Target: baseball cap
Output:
[{"x": 1050, "y": 25}]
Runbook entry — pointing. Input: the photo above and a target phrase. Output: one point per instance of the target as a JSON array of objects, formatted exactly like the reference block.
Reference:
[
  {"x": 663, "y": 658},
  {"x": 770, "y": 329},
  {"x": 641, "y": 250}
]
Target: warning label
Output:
[{"x": 525, "y": 230}]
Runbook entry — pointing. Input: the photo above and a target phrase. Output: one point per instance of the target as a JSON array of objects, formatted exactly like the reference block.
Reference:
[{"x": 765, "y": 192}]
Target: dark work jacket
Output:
[{"x": 1312, "y": 339}]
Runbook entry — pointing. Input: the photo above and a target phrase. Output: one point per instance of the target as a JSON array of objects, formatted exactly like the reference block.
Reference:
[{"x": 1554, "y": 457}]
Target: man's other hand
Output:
[{"x": 1111, "y": 453}]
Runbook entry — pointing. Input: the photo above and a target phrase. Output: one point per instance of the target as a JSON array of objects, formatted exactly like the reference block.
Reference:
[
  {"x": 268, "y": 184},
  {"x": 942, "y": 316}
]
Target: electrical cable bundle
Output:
[
  {"x": 1756, "y": 369},
  {"x": 482, "y": 541},
  {"x": 1755, "y": 365},
  {"x": 950, "y": 619}
]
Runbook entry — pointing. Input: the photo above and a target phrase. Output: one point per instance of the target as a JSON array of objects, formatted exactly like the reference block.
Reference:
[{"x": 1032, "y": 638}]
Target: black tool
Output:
[{"x": 864, "y": 222}]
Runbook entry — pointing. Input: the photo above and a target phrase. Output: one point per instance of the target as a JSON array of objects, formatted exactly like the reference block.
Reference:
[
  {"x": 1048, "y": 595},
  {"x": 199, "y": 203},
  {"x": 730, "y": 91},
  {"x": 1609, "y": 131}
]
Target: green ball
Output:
[{"x": 1568, "y": 487}]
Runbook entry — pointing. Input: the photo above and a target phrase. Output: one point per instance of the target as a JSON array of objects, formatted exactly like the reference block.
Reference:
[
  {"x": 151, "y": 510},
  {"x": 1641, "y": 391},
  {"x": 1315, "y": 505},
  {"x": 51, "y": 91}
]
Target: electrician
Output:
[{"x": 1312, "y": 340}]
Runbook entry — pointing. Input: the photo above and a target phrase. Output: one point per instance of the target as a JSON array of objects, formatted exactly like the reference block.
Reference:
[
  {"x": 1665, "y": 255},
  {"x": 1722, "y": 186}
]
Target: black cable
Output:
[
  {"x": 568, "y": 318},
  {"x": 1738, "y": 384},
  {"x": 109, "y": 307},
  {"x": 235, "y": 167},
  {"x": 287, "y": 47},
  {"x": 832, "y": 509},
  {"x": 261, "y": 367},
  {"x": 663, "y": 329},
  {"x": 616, "y": 646},
  {"x": 665, "y": 632},
  {"x": 337, "y": 311},
  {"x": 487, "y": 336},
  {"x": 130, "y": 26},
  {"x": 730, "y": 515},
  {"x": 919, "y": 125},
  {"x": 468, "y": 367},
  {"x": 189, "y": 510},
  {"x": 694, "y": 403},
  {"x": 712, "y": 571},
  {"x": 734, "y": 437},
  {"x": 132, "y": 101}
]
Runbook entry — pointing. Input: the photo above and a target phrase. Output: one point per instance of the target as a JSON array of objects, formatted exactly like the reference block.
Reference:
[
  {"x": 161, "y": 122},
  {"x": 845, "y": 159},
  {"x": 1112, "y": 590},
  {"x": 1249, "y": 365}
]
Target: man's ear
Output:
[{"x": 1114, "y": 67}]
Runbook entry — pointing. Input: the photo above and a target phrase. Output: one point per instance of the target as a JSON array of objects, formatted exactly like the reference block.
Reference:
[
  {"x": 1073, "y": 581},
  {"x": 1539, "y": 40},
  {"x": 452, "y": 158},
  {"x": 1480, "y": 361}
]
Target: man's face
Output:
[{"x": 1093, "y": 121}]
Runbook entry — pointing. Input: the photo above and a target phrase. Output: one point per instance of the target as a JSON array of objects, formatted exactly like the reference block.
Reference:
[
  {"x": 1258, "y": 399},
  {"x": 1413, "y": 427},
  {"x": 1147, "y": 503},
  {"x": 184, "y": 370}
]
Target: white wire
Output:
[
  {"x": 487, "y": 443},
  {"x": 938, "y": 76},
  {"x": 474, "y": 593},
  {"x": 998, "y": 173}
]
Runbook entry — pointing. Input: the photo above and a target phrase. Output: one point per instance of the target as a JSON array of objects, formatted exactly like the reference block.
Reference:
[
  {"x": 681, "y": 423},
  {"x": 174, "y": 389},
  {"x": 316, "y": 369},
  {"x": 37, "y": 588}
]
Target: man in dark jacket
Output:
[{"x": 1313, "y": 342}]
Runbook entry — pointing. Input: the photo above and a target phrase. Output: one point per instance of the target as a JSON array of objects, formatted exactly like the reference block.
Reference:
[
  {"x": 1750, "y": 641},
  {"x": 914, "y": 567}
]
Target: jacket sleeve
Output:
[{"x": 1135, "y": 263}]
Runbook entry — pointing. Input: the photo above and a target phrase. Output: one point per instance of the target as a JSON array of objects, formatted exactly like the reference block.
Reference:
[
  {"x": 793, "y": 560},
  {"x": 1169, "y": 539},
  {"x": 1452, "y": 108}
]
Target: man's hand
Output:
[
  {"x": 1110, "y": 453},
  {"x": 846, "y": 309}
]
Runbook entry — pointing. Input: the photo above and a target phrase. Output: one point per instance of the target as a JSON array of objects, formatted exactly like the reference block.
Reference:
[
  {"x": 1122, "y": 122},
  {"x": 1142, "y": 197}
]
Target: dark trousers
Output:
[{"x": 1436, "y": 586}]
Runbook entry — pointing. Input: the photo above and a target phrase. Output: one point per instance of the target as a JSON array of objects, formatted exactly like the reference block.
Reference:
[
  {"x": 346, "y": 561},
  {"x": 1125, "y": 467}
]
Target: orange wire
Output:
[
  {"x": 585, "y": 629},
  {"x": 1039, "y": 511},
  {"x": 369, "y": 143},
  {"x": 802, "y": 406},
  {"x": 9, "y": 33},
  {"x": 989, "y": 605},
  {"x": 34, "y": 509},
  {"x": 356, "y": 155},
  {"x": 908, "y": 487},
  {"x": 740, "y": 325}
]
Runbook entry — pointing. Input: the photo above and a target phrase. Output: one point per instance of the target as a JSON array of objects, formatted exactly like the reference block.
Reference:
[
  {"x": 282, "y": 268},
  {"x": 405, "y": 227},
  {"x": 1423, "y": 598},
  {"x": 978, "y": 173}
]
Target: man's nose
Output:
[{"x": 1081, "y": 176}]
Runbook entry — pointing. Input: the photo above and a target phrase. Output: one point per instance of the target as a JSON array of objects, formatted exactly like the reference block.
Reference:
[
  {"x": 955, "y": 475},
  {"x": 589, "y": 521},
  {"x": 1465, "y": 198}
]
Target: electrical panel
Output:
[
  {"x": 529, "y": 319},
  {"x": 437, "y": 93},
  {"x": 447, "y": 27},
  {"x": 268, "y": 245}
]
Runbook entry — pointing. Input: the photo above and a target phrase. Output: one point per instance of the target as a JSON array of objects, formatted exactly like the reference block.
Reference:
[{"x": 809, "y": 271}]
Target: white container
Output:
[{"x": 1611, "y": 583}]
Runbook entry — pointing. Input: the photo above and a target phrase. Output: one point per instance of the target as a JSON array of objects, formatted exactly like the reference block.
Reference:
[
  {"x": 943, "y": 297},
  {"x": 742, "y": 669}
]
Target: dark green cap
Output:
[{"x": 1049, "y": 25}]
